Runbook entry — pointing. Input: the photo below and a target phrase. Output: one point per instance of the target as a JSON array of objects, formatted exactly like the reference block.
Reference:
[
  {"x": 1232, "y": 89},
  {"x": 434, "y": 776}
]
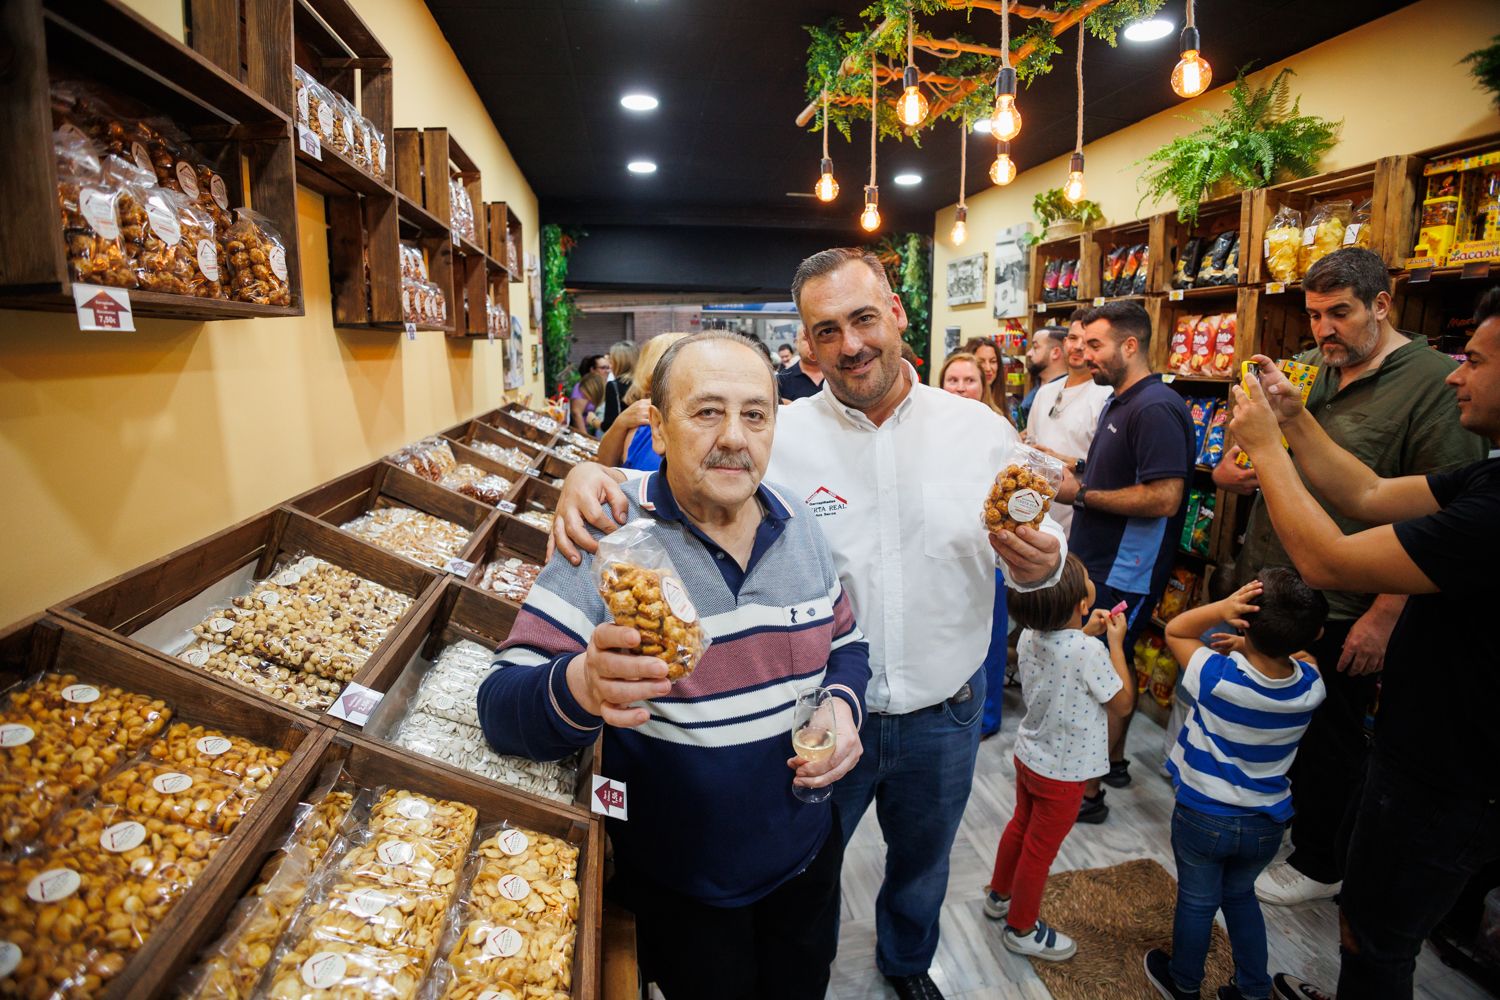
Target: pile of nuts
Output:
[
  {"x": 511, "y": 578},
  {"x": 429, "y": 540},
  {"x": 541, "y": 519},
  {"x": 638, "y": 598},
  {"x": 444, "y": 724},
  {"x": 299, "y": 635},
  {"x": 513, "y": 458}
]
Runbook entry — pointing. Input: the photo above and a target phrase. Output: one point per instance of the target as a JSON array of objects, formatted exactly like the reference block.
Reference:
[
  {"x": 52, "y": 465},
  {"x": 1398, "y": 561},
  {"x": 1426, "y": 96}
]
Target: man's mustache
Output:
[{"x": 722, "y": 459}]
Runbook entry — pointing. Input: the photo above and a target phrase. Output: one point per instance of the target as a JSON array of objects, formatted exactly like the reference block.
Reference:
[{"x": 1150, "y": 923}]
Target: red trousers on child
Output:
[{"x": 1045, "y": 811}]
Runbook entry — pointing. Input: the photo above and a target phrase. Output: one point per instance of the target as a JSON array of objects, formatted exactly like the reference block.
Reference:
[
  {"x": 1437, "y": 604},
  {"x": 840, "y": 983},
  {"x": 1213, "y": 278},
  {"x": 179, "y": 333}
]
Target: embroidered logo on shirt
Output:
[
  {"x": 1112, "y": 428},
  {"x": 825, "y": 503}
]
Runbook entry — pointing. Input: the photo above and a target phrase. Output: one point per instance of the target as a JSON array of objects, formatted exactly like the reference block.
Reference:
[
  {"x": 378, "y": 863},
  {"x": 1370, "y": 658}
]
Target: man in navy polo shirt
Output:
[{"x": 1129, "y": 496}]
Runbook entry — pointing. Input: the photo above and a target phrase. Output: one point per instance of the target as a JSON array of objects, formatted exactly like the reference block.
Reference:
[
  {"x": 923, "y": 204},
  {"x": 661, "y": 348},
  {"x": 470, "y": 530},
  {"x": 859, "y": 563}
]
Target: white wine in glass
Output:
[{"x": 814, "y": 735}]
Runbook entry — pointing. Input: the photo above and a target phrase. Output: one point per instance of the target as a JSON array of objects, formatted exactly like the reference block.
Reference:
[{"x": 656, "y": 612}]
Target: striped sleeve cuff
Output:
[{"x": 560, "y": 698}]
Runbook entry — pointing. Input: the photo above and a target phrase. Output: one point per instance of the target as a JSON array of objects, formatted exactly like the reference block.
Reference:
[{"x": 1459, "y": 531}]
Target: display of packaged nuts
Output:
[
  {"x": 186, "y": 795},
  {"x": 180, "y": 254},
  {"x": 533, "y": 959},
  {"x": 378, "y": 917},
  {"x": 503, "y": 895},
  {"x": 405, "y": 861},
  {"x": 538, "y": 518},
  {"x": 534, "y": 856},
  {"x": 579, "y": 441},
  {"x": 255, "y": 256},
  {"x": 235, "y": 964},
  {"x": 511, "y": 578},
  {"x": 198, "y": 746},
  {"x": 429, "y": 540},
  {"x": 124, "y": 717},
  {"x": 431, "y": 458},
  {"x": 571, "y": 454},
  {"x": 464, "y": 747},
  {"x": 317, "y": 969},
  {"x": 67, "y": 929},
  {"x": 653, "y": 602},
  {"x": 134, "y": 845},
  {"x": 279, "y": 683},
  {"x": 513, "y": 458},
  {"x": 406, "y": 814},
  {"x": 320, "y": 826},
  {"x": 540, "y": 421},
  {"x": 90, "y": 219}
]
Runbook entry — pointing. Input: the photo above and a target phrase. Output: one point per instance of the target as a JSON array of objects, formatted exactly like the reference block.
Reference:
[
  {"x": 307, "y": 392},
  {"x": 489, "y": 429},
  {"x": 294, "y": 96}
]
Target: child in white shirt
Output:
[{"x": 1071, "y": 686}]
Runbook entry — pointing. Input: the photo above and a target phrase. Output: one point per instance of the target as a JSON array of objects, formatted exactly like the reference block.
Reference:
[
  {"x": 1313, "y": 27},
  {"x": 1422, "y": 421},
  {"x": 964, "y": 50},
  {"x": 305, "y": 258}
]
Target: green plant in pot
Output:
[
  {"x": 1060, "y": 217},
  {"x": 1260, "y": 139}
]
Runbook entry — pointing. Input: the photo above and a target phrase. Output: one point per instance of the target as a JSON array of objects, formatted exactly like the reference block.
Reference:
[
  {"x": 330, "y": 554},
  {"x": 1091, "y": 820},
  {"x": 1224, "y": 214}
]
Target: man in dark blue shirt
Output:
[{"x": 1129, "y": 497}]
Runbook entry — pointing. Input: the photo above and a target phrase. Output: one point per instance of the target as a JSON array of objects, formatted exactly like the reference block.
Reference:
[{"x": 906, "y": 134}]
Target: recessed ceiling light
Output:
[
  {"x": 641, "y": 167},
  {"x": 984, "y": 125},
  {"x": 1149, "y": 31},
  {"x": 907, "y": 180},
  {"x": 639, "y": 102}
]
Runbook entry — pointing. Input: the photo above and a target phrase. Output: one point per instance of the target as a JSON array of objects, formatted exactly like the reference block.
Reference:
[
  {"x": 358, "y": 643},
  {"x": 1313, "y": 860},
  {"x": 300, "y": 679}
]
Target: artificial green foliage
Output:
[
  {"x": 1260, "y": 139},
  {"x": 558, "y": 307},
  {"x": 1485, "y": 65},
  {"x": 1051, "y": 206},
  {"x": 916, "y": 290}
]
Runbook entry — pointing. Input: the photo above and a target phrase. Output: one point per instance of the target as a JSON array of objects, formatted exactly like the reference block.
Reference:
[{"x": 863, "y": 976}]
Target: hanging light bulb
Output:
[
  {"x": 869, "y": 219},
  {"x": 1007, "y": 122},
  {"x": 1192, "y": 74},
  {"x": 827, "y": 188},
  {"x": 911, "y": 106},
  {"x": 960, "y": 226},
  {"x": 1074, "y": 189},
  {"x": 1003, "y": 170},
  {"x": 960, "y": 217}
]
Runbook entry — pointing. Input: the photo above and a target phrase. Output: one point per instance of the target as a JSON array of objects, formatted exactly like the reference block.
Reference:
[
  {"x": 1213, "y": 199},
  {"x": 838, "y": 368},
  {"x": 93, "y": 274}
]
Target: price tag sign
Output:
[
  {"x": 608, "y": 798},
  {"x": 411, "y": 331},
  {"x": 1098, "y": 300},
  {"x": 309, "y": 143},
  {"x": 1175, "y": 295},
  {"x": 356, "y": 704},
  {"x": 460, "y": 567},
  {"x": 1041, "y": 307},
  {"x": 101, "y": 308},
  {"x": 1275, "y": 287},
  {"x": 507, "y": 507},
  {"x": 534, "y": 472},
  {"x": 454, "y": 233}
]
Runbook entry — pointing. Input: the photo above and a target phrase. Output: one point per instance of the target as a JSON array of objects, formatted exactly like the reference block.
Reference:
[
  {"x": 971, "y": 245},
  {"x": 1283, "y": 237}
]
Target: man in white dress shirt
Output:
[
  {"x": 896, "y": 473},
  {"x": 1066, "y": 412}
]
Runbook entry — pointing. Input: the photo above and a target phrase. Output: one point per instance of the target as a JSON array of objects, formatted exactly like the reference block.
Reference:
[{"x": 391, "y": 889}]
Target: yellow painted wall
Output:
[
  {"x": 1396, "y": 82},
  {"x": 118, "y": 448}
]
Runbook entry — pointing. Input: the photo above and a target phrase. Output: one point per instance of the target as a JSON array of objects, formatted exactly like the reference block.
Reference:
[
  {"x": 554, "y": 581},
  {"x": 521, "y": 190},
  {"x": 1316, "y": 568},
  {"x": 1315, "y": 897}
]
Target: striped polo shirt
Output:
[
  {"x": 711, "y": 810},
  {"x": 1233, "y": 754}
]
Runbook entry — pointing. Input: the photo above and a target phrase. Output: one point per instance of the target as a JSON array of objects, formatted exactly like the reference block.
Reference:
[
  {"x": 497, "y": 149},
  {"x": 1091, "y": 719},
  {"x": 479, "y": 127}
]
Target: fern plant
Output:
[
  {"x": 1485, "y": 65},
  {"x": 1261, "y": 138}
]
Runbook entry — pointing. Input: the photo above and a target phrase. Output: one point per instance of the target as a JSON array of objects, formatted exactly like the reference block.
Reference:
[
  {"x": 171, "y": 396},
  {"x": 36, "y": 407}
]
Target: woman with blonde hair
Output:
[
  {"x": 963, "y": 374},
  {"x": 990, "y": 367},
  {"x": 627, "y": 443},
  {"x": 622, "y": 364}
]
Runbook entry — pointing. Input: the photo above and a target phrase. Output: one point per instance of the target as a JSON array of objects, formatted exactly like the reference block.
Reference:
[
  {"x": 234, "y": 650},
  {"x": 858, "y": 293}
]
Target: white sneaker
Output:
[
  {"x": 1042, "y": 942},
  {"x": 995, "y": 905},
  {"x": 1282, "y": 885}
]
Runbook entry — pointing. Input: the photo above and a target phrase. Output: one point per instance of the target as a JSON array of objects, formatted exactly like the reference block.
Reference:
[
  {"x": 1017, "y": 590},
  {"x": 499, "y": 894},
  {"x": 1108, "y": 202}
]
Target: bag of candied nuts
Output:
[
  {"x": 1023, "y": 490},
  {"x": 643, "y": 590}
]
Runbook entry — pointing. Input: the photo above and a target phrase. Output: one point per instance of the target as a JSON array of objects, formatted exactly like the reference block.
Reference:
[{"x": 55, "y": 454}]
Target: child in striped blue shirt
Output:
[{"x": 1252, "y": 704}]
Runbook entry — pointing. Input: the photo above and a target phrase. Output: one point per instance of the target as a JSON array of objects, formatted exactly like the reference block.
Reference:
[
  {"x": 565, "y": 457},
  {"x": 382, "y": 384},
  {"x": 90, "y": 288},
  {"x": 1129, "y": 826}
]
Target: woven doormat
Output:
[{"x": 1116, "y": 915}]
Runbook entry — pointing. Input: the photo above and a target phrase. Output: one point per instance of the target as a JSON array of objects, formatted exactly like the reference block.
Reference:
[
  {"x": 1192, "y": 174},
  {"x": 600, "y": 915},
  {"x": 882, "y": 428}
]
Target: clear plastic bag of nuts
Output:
[
  {"x": 135, "y": 845},
  {"x": 1023, "y": 491},
  {"x": 643, "y": 590},
  {"x": 241, "y": 760},
  {"x": 66, "y": 932},
  {"x": 187, "y": 795},
  {"x": 180, "y": 254},
  {"x": 399, "y": 812},
  {"x": 256, "y": 261},
  {"x": 90, "y": 219},
  {"x": 401, "y": 860}
]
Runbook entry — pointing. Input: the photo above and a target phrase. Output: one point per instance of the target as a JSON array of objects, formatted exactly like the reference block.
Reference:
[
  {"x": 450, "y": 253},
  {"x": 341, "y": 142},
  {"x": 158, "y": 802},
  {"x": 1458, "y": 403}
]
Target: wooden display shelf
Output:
[
  {"x": 542, "y": 458},
  {"x": 506, "y": 243},
  {"x": 237, "y": 132},
  {"x": 1276, "y": 324},
  {"x": 1371, "y": 180},
  {"x": 1101, "y": 242},
  {"x": 1062, "y": 248},
  {"x": 46, "y": 644},
  {"x": 1165, "y": 315},
  {"x": 468, "y": 456},
  {"x": 520, "y": 535},
  {"x": 505, "y": 419},
  {"x": 121, "y": 608},
  {"x": 1216, "y": 216},
  {"x": 497, "y": 544},
  {"x": 381, "y": 484}
]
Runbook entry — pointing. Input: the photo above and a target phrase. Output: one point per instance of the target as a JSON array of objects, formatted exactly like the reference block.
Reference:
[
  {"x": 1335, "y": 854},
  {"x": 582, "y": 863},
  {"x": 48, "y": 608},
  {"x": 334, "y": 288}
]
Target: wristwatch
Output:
[
  {"x": 1078, "y": 502},
  {"x": 1078, "y": 467}
]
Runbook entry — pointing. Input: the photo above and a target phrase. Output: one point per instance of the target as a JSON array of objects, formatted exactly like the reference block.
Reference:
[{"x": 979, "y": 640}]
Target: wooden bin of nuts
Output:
[
  {"x": 528, "y": 516},
  {"x": 133, "y": 789},
  {"x": 391, "y": 508},
  {"x": 430, "y": 685},
  {"x": 428, "y": 864},
  {"x": 504, "y": 569},
  {"x": 282, "y": 606},
  {"x": 523, "y": 423},
  {"x": 508, "y": 449}
]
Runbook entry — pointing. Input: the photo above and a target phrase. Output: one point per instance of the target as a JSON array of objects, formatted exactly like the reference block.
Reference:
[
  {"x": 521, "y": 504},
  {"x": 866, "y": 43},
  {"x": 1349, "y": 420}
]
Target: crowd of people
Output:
[{"x": 824, "y": 520}]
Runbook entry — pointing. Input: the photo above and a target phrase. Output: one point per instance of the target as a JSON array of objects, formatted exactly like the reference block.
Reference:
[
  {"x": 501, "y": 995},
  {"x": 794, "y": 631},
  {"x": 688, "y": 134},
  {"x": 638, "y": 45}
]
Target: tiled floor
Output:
[{"x": 971, "y": 964}]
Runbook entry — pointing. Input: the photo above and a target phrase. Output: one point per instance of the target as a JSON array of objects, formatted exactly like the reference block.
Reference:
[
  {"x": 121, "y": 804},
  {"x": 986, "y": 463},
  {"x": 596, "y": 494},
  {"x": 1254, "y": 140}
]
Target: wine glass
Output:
[{"x": 814, "y": 735}]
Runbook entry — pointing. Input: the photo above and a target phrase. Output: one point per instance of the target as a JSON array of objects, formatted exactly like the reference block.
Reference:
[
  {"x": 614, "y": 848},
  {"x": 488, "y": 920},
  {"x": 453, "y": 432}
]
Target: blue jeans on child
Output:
[{"x": 1218, "y": 859}]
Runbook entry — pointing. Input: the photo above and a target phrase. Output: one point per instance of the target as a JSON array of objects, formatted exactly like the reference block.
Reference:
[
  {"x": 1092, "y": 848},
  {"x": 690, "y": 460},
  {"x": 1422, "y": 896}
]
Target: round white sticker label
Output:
[
  {"x": 396, "y": 852},
  {"x": 142, "y": 157},
  {"x": 368, "y": 902},
  {"x": 74, "y": 132},
  {"x": 514, "y": 887},
  {"x": 13, "y": 734},
  {"x": 287, "y": 579},
  {"x": 412, "y": 808},
  {"x": 80, "y": 694},
  {"x": 325, "y": 118},
  {"x": 164, "y": 222},
  {"x": 269, "y": 598},
  {"x": 126, "y": 836},
  {"x": 52, "y": 885},
  {"x": 98, "y": 207},
  {"x": 187, "y": 179},
  {"x": 197, "y": 657},
  {"x": 212, "y": 746},
  {"x": 1025, "y": 505},
  {"x": 497, "y": 995},
  {"x": 306, "y": 564},
  {"x": 444, "y": 702},
  {"x": 208, "y": 259},
  {"x": 323, "y": 970},
  {"x": 349, "y": 130},
  {"x": 10, "y": 957},
  {"x": 278, "y": 262},
  {"x": 172, "y": 782},
  {"x": 513, "y": 842},
  {"x": 303, "y": 109},
  {"x": 221, "y": 625},
  {"x": 217, "y": 190},
  {"x": 677, "y": 600},
  {"x": 503, "y": 942}
]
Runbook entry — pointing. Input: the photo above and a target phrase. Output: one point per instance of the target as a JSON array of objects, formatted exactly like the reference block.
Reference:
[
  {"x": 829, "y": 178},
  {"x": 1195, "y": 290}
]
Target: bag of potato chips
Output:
[{"x": 643, "y": 590}]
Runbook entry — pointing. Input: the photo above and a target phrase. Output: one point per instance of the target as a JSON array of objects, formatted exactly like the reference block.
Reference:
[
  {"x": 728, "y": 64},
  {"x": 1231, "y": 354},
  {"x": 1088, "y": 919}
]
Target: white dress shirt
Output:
[
  {"x": 902, "y": 506},
  {"x": 1071, "y": 429}
]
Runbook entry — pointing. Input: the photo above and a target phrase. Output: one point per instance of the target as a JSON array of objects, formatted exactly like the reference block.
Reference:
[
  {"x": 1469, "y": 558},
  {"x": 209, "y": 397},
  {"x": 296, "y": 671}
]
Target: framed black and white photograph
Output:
[
  {"x": 966, "y": 280},
  {"x": 514, "y": 356},
  {"x": 1012, "y": 270}
]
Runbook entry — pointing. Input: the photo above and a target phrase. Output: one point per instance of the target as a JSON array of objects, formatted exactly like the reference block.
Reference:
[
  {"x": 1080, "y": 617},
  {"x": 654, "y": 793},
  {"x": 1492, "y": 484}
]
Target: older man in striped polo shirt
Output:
[{"x": 733, "y": 879}]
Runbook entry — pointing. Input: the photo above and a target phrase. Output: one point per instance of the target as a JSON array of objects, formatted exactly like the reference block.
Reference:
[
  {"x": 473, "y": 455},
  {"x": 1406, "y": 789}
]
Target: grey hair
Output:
[
  {"x": 661, "y": 376},
  {"x": 827, "y": 261}
]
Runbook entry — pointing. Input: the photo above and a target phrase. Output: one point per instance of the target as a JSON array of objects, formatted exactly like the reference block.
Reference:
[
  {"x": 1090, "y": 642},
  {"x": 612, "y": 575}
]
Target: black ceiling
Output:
[{"x": 730, "y": 76}]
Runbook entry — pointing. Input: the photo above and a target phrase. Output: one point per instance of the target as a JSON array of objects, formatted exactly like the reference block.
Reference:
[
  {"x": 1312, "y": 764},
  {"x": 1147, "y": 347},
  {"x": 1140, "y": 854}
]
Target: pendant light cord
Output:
[
  {"x": 911, "y": 18},
  {"x": 1190, "y": 6},
  {"x": 963, "y": 159},
  {"x": 825, "y": 123},
  {"x": 1079, "y": 147},
  {"x": 1005, "y": 32},
  {"x": 874, "y": 116}
]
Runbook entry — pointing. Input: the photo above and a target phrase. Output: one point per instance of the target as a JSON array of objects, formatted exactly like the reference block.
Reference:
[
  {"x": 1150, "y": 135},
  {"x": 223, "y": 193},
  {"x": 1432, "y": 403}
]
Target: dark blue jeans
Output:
[
  {"x": 995, "y": 660},
  {"x": 918, "y": 769},
  {"x": 1218, "y": 858}
]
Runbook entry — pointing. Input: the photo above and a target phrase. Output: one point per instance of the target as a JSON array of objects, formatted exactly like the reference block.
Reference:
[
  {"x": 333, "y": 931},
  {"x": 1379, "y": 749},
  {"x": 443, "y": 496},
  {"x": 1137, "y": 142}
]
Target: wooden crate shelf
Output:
[
  {"x": 1101, "y": 242},
  {"x": 237, "y": 132},
  {"x": 1063, "y": 248},
  {"x": 1216, "y": 216}
]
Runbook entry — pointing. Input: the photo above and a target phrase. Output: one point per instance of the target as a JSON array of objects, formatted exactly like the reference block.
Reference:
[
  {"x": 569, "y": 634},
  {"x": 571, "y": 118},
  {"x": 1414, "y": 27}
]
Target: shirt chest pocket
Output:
[{"x": 952, "y": 520}]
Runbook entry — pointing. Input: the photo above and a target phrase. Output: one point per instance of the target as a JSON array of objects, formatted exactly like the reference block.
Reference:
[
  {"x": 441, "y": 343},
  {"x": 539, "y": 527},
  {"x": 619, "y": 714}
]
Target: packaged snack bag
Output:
[
  {"x": 1201, "y": 412},
  {"x": 1109, "y": 271},
  {"x": 1164, "y": 678},
  {"x": 1324, "y": 233},
  {"x": 1283, "y": 244},
  {"x": 1212, "y": 448},
  {"x": 1181, "y": 346},
  {"x": 1142, "y": 273},
  {"x": 1189, "y": 259},
  {"x": 644, "y": 591},
  {"x": 1223, "y": 357},
  {"x": 1358, "y": 232},
  {"x": 256, "y": 261},
  {"x": 1195, "y": 500},
  {"x": 1181, "y": 588},
  {"x": 1067, "y": 281},
  {"x": 1231, "y": 272},
  {"x": 1203, "y": 524},
  {"x": 1200, "y": 361},
  {"x": 1023, "y": 490}
]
